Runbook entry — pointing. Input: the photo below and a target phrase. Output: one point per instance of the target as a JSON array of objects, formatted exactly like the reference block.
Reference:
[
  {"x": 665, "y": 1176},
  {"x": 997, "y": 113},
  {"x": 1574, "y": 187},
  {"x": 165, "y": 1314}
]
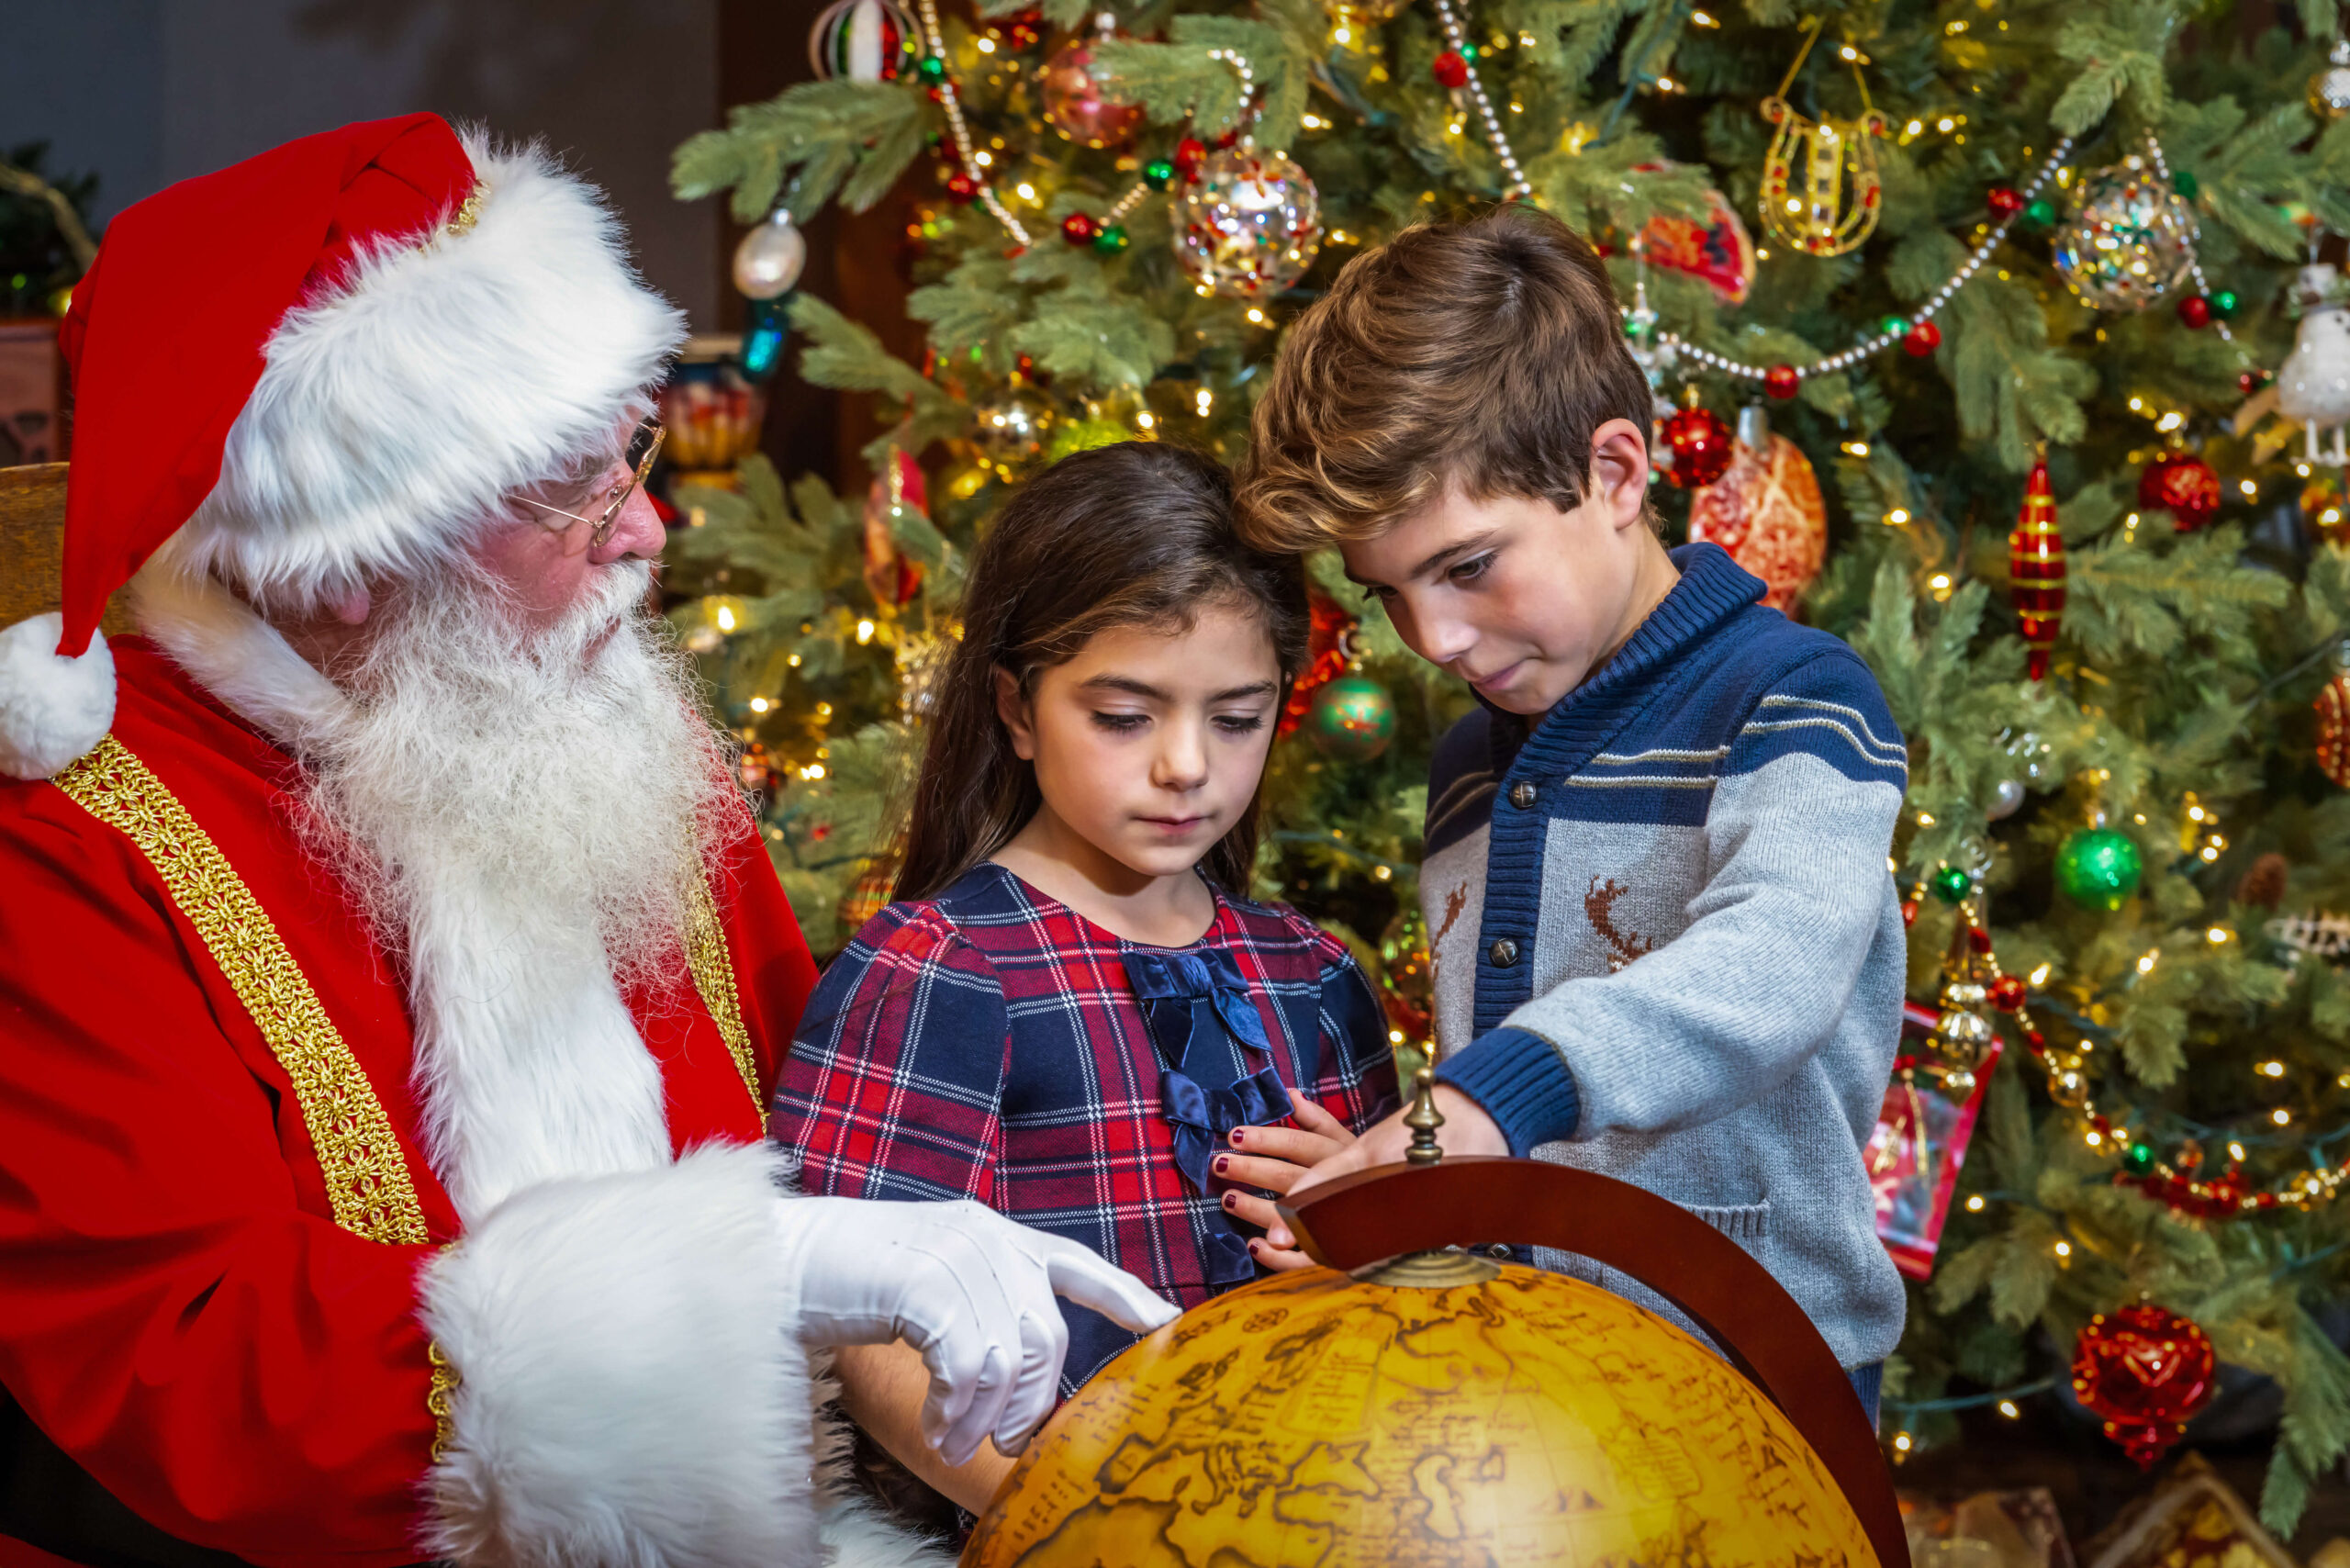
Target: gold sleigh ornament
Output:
[{"x": 1829, "y": 206}]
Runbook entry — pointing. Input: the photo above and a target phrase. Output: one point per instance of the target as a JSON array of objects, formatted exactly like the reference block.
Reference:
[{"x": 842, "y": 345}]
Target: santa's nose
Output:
[{"x": 637, "y": 531}]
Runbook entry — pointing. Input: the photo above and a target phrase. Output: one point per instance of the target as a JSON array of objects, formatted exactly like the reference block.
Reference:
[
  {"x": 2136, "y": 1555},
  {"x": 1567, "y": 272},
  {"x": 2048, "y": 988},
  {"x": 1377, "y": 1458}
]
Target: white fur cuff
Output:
[
  {"x": 633, "y": 1395},
  {"x": 52, "y": 709}
]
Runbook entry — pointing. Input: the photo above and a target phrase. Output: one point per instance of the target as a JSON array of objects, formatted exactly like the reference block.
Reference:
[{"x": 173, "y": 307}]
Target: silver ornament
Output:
[
  {"x": 769, "y": 260},
  {"x": 2128, "y": 240},
  {"x": 861, "y": 40},
  {"x": 2313, "y": 384},
  {"x": 2330, "y": 88},
  {"x": 1250, "y": 224},
  {"x": 1008, "y": 429},
  {"x": 2005, "y": 799}
]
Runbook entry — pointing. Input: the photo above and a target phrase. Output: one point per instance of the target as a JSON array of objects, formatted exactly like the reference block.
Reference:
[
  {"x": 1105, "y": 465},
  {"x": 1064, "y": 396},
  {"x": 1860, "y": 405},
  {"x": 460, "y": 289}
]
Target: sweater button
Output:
[
  {"x": 1504, "y": 952},
  {"x": 1523, "y": 794}
]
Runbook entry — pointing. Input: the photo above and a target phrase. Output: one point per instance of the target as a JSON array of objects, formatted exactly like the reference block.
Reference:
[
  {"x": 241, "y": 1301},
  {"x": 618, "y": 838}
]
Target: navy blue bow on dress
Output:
[{"x": 1194, "y": 1002}]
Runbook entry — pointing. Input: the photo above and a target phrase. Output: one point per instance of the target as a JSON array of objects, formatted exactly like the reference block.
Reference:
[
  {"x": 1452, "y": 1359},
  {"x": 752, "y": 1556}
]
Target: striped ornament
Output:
[{"x": 2036, "y": 569}]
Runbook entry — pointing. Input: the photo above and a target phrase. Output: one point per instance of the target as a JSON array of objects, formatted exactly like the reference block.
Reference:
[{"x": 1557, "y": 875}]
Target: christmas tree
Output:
[{"x": 1980, "y": 330}]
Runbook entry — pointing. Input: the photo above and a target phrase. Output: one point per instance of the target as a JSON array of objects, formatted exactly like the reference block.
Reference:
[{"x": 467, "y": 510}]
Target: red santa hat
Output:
[{"x": 325, "y": 364}]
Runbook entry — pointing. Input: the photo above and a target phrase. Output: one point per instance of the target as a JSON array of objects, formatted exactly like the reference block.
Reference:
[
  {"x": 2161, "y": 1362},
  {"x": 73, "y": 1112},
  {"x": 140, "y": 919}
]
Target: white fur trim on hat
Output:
[
  {"x": 395, "y": 412},
  {"x": 52, "y": 709}
]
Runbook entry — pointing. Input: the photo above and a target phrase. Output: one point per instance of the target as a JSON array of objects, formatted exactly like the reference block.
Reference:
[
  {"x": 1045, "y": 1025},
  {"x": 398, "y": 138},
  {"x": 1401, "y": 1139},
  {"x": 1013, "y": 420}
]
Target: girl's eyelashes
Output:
[
  {"x": 1239, "y": 723},
  {"x": 1121, "y": 723}
]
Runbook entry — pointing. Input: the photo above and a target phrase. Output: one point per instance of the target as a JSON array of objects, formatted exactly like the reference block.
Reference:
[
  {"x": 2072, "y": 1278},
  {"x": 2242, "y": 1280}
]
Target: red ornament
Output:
[
  {"x": 2334, "y": 729},
  {"x": 2183, "y": 486},
  {"x": 2252, "y": 381},
  {"x": 1023, "y": 29},
  {"x": 1188, "y": 153},
  {"x": 1718, "y": 250},
  {"x": 1451, "y": 69},
  {"x": 1922, "y": 339},
  {"x": 962, "y": 188},
  {"x": 1767, "y": 512},
  {"x": 2147, "y": 1371},
  {"x": 1781, "y": 381},
  {"x": 2006, "y": 994},
  {"x": 2195, "y": 311},
  {"x": 2004, "y": 202},
  {"x": 2036, "y": 571},
  {"x": 1699, "y": 445},
  {"x": 1078, "y": 230},
  {"x": 1325, "y": 657}
]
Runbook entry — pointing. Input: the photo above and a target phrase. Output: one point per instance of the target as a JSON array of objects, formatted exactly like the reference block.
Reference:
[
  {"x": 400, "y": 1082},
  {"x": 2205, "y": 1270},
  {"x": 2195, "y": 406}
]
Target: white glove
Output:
[{"x": 969, "y": 1289}]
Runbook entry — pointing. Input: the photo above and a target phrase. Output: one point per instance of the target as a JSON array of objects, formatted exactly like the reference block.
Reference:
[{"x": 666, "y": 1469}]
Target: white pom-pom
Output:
[{"x": 52, "y": 709}]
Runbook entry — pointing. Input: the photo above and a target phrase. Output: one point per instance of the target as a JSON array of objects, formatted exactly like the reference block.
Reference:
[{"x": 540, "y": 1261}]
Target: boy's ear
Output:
[
  {"x": 1012, "y": 708},
  {"x": 1619, "y": 472}
]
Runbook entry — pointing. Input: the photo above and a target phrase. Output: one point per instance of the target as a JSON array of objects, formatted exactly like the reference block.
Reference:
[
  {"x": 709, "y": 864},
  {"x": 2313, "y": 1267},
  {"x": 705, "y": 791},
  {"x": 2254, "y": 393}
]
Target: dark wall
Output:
[{"x": 146, "y": 91}]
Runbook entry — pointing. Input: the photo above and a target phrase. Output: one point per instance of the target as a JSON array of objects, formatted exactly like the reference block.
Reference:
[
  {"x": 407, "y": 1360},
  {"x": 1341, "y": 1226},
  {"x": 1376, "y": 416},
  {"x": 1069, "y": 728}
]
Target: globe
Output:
[{"x": 1440, "y": 1409}]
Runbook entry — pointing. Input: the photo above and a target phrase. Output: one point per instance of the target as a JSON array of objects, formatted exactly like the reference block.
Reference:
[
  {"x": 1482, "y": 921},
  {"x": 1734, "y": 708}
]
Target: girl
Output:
[{"x": 1072, "y": 1005}]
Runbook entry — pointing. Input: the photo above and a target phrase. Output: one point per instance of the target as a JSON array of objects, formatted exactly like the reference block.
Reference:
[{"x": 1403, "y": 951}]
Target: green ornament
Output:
[
  {"x": 2184, "y": 185},
  {"x": 2138, "y": 1158},
  {"x": 1893, "y": 326},
  {"x": 2098, "y": 868},
  {"x": 1352, "y": 719},
  {"x": 931, "y": 69},
  {"x": 2224, "y": 302},
  {"x": 1110, "y": 241},
  {"x": 2040, "y": 212},
  {"x": 1159, "y": 173},
  {"x": 1950, "y": 884}
]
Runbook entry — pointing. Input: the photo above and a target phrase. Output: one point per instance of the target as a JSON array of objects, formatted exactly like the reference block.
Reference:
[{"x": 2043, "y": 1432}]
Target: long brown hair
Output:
[{"x": 1139, "y": 533}]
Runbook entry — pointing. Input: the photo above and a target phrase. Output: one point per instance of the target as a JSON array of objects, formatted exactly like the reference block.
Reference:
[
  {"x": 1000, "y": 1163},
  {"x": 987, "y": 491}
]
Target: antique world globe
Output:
[{"x": 1437, "y": 1408}]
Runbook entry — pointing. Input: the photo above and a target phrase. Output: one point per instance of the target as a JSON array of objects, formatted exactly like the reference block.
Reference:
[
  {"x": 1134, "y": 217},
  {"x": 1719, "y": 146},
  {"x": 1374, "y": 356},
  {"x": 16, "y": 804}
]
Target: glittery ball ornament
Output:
[
  {"x": 1248, "y": 223},
  {"x": 2128, "y": 238},
  {"x": 2036, "y": 571},
  {"x": 1781, "y": 381},
  {"x": 2146, "y": 1370},
  {"x": 1407, "y": 975},
  {"x": 1081, "y": 106},
  {"x": 769, "y": 259},
  {"x": 2183, "y": 486},
  {"x": 1719, "y": 251},
  {"x": 1698, "y": 444},
  {"x": 2330, "y": 88},
  {"x": 1765, "y": 510},
  {"x": 861, "y": 40},
  {"x": 1352, "y": 719},
  {"x": 2334, "y": 729},
  {"x": 2098, "y": 868},
  {"x": 1010, "y": 428}
]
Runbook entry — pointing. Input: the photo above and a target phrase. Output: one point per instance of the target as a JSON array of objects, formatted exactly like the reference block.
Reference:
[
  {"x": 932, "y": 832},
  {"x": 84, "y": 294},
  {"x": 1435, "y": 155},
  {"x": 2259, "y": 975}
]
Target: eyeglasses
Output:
[{"x": 644, "y": 446}]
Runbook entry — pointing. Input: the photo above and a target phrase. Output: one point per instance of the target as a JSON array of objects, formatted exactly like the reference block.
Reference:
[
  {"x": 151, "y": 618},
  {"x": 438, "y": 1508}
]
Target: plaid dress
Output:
[{"x": 993, "y": 1044}]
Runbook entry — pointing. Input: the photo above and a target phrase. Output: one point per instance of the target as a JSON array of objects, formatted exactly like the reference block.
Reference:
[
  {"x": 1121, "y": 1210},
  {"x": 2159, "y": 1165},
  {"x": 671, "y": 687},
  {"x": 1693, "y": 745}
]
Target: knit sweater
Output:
[{"x": 1667, "y": 942}]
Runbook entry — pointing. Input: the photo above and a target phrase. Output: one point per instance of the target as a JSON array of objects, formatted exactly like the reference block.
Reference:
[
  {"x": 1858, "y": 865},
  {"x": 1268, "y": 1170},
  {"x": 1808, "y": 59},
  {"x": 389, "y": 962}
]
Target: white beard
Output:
[{"x": 524, "y": 818}]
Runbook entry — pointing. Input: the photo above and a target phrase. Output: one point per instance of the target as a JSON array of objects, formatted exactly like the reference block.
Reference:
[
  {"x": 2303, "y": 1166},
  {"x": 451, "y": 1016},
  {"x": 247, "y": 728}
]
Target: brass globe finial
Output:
[{"x": 1424, "y": 1119}]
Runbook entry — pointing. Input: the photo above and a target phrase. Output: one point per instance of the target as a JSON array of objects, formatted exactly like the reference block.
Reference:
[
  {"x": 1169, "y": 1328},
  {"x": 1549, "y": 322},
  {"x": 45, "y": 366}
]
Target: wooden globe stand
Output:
[{"x": 1431, "y": 1205}]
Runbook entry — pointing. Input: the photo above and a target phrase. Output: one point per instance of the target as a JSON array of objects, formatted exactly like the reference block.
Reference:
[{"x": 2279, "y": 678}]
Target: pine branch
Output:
[{"x": 828, "y": 133}]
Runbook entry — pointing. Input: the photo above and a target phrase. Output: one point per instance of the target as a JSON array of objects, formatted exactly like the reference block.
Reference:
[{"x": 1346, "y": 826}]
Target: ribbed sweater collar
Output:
[{"x": 1712, "y": 588}]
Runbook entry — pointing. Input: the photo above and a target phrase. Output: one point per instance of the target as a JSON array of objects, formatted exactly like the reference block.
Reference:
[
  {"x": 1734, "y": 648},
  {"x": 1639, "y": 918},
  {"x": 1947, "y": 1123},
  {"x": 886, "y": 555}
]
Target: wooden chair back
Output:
[{"x": 32, "y": 536}]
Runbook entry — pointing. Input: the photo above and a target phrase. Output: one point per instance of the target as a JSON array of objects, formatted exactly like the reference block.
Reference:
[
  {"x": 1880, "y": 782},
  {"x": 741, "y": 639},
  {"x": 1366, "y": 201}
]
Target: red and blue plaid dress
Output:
[{"x": 993, "y": 1044}]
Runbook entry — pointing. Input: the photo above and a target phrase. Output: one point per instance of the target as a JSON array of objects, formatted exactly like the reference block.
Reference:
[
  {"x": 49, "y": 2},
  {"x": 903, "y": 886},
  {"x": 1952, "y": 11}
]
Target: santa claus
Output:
[{"x": 390, "y": 978}]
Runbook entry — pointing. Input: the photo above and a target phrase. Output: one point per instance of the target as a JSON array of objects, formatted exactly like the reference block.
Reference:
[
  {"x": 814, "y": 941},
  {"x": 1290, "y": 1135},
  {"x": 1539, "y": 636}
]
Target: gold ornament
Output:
[{"x": 1811, "y": 209}]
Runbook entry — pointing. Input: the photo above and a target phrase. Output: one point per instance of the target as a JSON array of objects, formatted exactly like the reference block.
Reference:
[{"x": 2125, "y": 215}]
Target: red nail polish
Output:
[
  {"x": 1232, "y": 1200},
  {"x": 1235, "y": 1138},
  {"x": 1221, "y": 1163}
]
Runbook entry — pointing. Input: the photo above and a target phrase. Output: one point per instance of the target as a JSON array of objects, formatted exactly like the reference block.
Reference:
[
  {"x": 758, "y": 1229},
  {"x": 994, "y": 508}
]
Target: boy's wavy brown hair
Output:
[{"x": 1480, "y": 354}]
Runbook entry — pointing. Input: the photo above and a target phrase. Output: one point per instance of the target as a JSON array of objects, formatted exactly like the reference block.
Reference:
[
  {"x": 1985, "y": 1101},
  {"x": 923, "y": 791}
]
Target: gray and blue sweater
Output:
[{"x": 1667, "y": 943}]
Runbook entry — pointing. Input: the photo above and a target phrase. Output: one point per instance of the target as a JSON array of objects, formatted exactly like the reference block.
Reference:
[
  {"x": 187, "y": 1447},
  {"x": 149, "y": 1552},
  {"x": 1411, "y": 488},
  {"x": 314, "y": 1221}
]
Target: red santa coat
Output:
[{"x": 180, "y": 1310}]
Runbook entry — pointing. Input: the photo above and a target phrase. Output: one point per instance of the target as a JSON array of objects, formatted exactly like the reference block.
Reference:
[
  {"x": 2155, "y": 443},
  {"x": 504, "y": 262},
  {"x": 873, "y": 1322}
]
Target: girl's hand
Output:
[{"x": 1278, "y": 1159}]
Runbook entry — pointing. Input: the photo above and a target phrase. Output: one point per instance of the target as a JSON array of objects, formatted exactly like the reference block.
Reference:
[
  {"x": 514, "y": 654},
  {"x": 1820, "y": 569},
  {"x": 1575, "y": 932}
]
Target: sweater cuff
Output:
[{"x": 1521, "y": 1080}]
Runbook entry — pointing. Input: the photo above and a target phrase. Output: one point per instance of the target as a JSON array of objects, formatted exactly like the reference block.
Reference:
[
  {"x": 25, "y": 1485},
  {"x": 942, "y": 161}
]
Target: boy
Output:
[{"x": 1667, "y": 946}]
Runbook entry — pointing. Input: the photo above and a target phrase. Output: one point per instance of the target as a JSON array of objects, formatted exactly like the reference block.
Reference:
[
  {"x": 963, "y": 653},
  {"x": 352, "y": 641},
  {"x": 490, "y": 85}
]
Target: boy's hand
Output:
[
  {"x": 1279, "y": 1159},
  {"x": 1466, "y": 1130}
]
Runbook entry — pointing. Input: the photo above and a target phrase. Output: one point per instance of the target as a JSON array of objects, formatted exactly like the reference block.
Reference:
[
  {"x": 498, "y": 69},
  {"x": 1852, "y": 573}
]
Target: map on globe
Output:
[{"x": 1312, "y": 1420}]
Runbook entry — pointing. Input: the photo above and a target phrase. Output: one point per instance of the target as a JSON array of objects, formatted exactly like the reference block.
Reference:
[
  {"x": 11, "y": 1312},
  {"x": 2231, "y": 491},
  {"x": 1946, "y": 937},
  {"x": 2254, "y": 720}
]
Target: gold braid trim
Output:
[
  {"x": 439, "y": 1398},
  {"x": 366, "y": 1175},
  {"x": 713, "y": 974}
]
